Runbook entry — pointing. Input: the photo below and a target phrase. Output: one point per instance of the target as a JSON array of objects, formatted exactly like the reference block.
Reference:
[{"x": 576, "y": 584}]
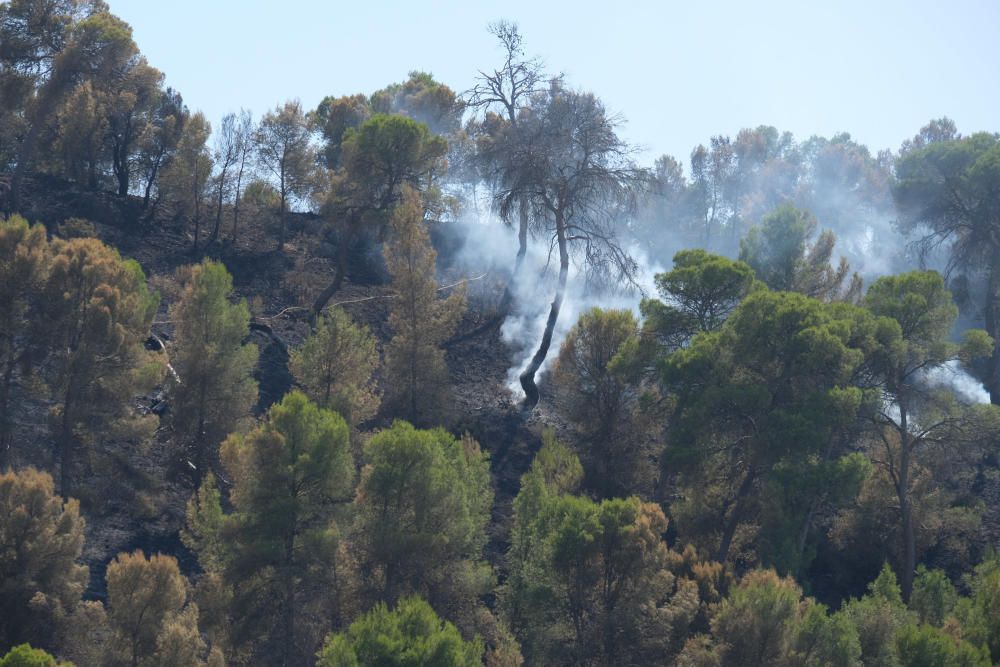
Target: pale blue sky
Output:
[{"x": 678, "y": 72}]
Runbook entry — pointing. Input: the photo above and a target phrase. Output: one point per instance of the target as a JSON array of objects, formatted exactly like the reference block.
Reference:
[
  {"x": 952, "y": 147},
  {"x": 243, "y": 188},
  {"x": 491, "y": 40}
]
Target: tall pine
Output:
[{"x": 417, "y": 376}]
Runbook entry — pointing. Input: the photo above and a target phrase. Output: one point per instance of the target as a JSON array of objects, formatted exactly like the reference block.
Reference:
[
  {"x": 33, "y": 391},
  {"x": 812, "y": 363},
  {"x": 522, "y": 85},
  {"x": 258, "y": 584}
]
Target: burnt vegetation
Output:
[{"x": 392, "y": 381}]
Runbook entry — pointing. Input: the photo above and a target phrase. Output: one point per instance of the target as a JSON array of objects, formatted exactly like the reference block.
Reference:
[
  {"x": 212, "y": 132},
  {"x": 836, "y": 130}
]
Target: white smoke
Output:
[
  {"x": 489, "y": 243},
  {"x": 951, "y": 375}
]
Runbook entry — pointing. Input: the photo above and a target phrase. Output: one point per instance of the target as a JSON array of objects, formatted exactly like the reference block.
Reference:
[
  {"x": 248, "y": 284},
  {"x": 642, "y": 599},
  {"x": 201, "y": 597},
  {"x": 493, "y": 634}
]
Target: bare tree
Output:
[
  {"x": 579, "y": 180},
  {"x": 244, "y": 137},
  {"x": 509, "y": 90},
  {"x": 226, "y": 155}
]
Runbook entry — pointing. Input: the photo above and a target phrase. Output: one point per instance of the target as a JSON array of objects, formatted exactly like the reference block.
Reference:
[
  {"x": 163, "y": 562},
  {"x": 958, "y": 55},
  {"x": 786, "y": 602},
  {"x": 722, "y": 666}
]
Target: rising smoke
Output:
[{"x": 853, "y": 203}]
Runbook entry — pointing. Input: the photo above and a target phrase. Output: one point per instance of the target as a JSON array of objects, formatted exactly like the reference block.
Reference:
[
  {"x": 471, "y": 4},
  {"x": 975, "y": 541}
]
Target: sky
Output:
[{"x": 677, "y": 73}]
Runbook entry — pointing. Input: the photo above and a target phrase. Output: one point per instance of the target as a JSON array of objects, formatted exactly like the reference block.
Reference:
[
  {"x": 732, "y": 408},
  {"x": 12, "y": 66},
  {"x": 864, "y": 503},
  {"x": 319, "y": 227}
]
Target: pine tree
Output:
[
  {"x": 148, "y": 613},
  {"x": 602, "y": 402},
  {"x": 417, "y": 375},
  {"x": 335, "y": 367},
  {"x": 411, "y": 635},
  {"x": 25, "y": 656},
  {"x": 594, "y": 583},
  {"x": 289, "y": 474},
  {"x": 98, "y": 311},
  {"x": 24, "y": 257},
  {"x": 41, "y": 538},
  {"x": 423, "y": 504},
  {"x": 214, "y": 388}
]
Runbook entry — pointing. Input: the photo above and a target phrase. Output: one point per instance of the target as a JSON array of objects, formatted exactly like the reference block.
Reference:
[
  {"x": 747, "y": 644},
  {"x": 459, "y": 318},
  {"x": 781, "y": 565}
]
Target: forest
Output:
[{"x": 443, "y": 378}]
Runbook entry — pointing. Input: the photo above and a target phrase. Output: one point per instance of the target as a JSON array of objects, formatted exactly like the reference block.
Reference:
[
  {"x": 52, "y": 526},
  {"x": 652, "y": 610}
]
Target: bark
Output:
[
  {"x": 905, "y": 507},
  {"x": 218, "y": 206},
  {"x": 152, "y": 179},
  {"x": 343, "y": 244},
  {"x": 527, "y": 376},
  {"x": 734, "y": 519},
  {"x": 120, "y": 165},
  {"x": 236, "y": 201}
]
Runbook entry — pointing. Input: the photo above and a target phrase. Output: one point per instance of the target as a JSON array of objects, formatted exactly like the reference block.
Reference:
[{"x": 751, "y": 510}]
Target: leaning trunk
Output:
[
  {"x": 527, "y": 376},
  {"x": 343, "y": 243}
]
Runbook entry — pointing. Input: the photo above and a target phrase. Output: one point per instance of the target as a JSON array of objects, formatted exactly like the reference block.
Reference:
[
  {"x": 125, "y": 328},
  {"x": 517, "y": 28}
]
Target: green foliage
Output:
[
  {"x": 878, "y": 617},
  {"x": 698, "y": 294},
  {"x": 764, "y": 621},
  {"x": 927, "y": 646},
  {"x": 202, "y": 533},
  {"x": 767, "y": 392},
  {"x": 333, "y": 117},
  {"x": 920, "y": 309},
  {"x": 423, "y": 505},
  {"x": 424, "y": 100},
  {"x": 934, "y": 597},
  {"x": 41, "y": 539},
  {"x": 213, "y": 388},
  {"x": 288, "y": 475},
  {"x": 603, "y": 402},
  {"x": 980, "y": 613},
  {"x": 335, "y": 367},
  {"x": 591, "y": 582},
  {"x": 411, "y": 635},
  {"x": 778, "y": 250},
  {"x": 25, "y": 656},
  {"x": 386, "y": 152}
]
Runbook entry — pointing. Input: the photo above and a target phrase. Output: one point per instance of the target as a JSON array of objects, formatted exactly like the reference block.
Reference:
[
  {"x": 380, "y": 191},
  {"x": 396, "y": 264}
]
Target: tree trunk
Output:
[
  {"x": 343, "y": 244},
  {"x": 909, "y": 554},
  {"x": 218, "y": 207},
  {"x": 236, "y": 201},
  {"x": 734, "y": 519},
  {"x": 281, "y": 222},
  {"x": 152, "y": 179},
  {"x": 527, "y": 376},
  {"x": 120, "y": 168}
]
